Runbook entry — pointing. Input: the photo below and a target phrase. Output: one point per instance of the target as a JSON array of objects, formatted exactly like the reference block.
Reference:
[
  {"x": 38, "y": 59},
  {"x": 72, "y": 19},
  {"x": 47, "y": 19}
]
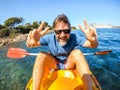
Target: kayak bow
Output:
[{"x": 63, "y": 80}]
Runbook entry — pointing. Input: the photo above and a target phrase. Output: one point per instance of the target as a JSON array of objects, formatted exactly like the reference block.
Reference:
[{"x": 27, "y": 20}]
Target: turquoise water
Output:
[{"x": 15, "y": 73}]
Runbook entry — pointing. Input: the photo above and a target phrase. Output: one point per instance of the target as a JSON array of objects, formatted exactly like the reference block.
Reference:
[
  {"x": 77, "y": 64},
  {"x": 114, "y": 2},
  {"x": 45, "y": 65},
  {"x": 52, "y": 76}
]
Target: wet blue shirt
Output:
[{"x": 61, "y": 52}]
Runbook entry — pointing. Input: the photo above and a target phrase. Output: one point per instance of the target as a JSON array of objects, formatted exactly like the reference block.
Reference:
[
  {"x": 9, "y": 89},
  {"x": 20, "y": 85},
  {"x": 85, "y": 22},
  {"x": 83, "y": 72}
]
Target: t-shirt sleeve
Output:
[
  {"x": 82, "y": 41},
  {"x": 44, "y": 40}
]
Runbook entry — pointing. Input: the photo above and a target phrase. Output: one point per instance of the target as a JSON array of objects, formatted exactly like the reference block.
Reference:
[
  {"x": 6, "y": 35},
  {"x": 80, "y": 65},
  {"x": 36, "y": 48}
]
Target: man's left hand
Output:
[{"x": 90, "y": 32}]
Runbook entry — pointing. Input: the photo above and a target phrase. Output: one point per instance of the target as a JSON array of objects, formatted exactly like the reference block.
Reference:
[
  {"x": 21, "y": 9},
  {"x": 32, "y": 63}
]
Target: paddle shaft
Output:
[
  {"x": 21, "y": 53},
  {"x": 35, "y": 54},
  {"x": 28, "y": 54},
  {"x": 86, "y": 54}
]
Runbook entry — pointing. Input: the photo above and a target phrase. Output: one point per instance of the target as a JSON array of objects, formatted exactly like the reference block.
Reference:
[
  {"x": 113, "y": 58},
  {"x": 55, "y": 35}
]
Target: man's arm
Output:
[{"x": 90, "y": 44}]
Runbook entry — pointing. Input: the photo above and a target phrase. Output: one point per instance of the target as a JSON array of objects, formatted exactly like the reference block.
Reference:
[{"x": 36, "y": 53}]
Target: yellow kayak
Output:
[{"x": 63, "y": 80}]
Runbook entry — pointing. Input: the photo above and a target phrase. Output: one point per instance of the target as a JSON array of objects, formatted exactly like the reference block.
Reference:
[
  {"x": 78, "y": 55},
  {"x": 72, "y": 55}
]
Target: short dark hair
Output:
[{"x": 60, "y": 18}]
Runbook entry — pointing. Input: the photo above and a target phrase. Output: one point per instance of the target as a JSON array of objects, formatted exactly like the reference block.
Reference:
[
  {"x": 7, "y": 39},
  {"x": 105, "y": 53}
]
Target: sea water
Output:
[{"x": 15, "y": 73}]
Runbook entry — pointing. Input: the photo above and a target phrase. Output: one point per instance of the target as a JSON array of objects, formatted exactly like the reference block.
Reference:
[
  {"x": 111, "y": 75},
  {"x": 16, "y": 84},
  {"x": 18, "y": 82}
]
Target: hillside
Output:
[{"x": 103, "y": 25}]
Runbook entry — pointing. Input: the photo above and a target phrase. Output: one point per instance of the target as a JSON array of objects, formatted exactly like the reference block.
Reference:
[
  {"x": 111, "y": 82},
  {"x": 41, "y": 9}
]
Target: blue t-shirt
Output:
[{"x": 61, "y": 52}]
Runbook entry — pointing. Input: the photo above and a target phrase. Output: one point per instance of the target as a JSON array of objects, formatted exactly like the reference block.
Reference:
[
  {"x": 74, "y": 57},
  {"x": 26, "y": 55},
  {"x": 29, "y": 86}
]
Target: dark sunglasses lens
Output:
[
  {"x": 64, "y": 31},
  {"x": 58, "y": 31}
]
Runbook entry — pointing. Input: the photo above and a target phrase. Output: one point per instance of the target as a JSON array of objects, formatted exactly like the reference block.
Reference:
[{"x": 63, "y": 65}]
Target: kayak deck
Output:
[{"x": 63, "y": 80}]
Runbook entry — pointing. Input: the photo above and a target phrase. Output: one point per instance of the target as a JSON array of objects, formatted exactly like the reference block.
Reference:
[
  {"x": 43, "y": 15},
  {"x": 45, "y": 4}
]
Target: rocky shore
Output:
[
  {"x": 18, "y": 38},
  {"x": 7, "y": 40}
]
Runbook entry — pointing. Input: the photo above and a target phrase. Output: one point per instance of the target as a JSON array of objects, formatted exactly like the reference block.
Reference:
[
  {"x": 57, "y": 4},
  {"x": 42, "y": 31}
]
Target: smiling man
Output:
[{"x": 63, "y": 53}]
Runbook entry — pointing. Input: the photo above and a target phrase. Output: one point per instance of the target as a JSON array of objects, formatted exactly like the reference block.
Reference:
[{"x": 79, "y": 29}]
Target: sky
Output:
[{"x": 94, "y": 11}]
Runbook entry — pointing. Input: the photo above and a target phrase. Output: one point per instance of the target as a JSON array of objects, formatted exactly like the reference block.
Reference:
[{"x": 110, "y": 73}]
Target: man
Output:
[{"x": 62, "y": 44}]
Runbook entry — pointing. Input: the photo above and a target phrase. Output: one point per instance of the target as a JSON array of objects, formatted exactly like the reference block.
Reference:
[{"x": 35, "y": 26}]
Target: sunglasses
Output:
[{"x": 65, "y": 31}]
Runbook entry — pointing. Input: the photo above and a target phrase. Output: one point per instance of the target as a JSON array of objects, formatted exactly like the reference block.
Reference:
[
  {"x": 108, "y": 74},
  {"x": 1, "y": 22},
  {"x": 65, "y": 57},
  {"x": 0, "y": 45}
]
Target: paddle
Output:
[{"x": 21, "y": 53}]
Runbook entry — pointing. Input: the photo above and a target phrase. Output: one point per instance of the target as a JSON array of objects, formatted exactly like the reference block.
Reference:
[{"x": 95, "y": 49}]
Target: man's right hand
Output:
[{"x": 34, "y": 36}]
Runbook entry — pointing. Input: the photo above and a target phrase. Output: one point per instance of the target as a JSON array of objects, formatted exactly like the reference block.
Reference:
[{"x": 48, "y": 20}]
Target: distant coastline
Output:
[{"x": 104, "y": 26}]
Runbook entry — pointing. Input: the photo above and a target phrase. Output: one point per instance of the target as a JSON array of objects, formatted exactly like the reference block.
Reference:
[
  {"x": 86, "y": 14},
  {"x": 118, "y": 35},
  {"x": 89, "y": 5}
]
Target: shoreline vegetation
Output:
[{"x": 13, "y": 30}]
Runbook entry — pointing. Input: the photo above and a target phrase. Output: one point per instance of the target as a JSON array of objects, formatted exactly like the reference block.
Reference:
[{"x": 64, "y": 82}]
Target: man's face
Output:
[{"x": 62, "y": 32}]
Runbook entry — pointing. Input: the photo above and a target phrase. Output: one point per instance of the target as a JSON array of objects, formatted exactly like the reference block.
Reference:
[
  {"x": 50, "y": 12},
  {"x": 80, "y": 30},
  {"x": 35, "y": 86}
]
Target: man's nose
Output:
[{"x": 62, "y": 33}]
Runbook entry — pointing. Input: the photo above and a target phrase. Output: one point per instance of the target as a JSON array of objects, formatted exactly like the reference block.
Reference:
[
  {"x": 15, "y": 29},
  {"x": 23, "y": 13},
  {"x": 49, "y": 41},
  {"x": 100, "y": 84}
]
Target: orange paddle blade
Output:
[{"x": 16, "y": 53}]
